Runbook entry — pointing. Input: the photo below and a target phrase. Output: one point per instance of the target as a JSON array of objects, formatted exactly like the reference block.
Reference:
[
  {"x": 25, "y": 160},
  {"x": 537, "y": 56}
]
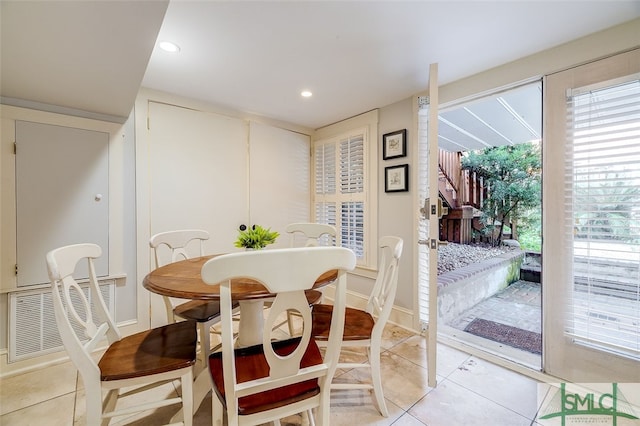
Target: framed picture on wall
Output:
[
  {"x": 396, "y": 178},
  {"x": 394, "y": 144}
]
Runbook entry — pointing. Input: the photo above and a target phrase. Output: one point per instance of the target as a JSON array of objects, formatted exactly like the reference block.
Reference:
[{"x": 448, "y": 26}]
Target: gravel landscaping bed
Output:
[{"x": 453, "y": 256}]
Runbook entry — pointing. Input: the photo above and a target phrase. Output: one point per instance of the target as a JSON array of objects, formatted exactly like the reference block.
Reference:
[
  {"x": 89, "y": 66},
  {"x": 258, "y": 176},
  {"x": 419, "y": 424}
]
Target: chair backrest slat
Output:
[{"x": 315, "y": 233}]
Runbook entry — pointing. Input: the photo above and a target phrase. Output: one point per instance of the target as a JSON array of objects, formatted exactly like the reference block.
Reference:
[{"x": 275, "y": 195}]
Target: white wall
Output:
[{"x": 395, "y": 209}]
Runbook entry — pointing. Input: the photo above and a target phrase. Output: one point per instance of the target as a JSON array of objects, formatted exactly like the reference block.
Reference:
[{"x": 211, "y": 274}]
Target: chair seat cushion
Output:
[
  {"x": 358, "y": 324},
  {"x": 251, "y": 364},
  {"x": 150, "y": 352},
  {"x": 198, "y": 310}
]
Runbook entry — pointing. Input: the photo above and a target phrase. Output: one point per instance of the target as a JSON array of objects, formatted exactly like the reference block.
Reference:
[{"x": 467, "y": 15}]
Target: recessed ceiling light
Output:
[
  {"x": 167, "y": 46},
  {"x": 306, "y": 94}
]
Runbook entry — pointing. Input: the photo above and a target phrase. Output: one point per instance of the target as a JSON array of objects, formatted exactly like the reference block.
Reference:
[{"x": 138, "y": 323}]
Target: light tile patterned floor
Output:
[{"x": 470, "y": 392}]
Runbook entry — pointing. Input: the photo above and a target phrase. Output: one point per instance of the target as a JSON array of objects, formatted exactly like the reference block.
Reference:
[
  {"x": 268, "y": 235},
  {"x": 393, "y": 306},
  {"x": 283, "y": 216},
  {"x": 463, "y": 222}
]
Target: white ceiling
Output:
[
  {"x": 256, "y": 57},
  {"x": 507, "y": 118},
  {"x": 86, "y": 56}
]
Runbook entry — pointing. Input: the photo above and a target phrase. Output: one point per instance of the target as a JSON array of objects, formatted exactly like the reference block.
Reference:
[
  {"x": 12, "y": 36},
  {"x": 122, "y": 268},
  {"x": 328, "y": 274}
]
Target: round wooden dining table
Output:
[{"x": 183, "y": 280}]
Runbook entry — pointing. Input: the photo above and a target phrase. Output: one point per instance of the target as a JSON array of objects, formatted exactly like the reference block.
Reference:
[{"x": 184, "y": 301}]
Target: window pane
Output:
[
  {"x": 352, "y": 227},
  {"x": 603, "y": 169}
]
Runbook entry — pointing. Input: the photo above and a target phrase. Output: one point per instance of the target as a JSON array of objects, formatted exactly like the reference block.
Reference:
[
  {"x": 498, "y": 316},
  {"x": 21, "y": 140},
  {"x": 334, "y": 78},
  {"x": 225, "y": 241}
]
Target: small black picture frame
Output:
[
  {"x": 396, "y": 178},
  {"x": 394, "y": 144}
]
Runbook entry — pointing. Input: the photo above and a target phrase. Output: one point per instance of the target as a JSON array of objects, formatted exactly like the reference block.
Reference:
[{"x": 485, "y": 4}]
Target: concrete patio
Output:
[{"x": 518, "y": 305}]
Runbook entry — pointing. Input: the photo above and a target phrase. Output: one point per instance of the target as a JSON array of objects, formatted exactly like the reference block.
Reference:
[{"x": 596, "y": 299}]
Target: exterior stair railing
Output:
[
  {"x": 458, "y": 187},
  {"x": 463, "y": 192}
]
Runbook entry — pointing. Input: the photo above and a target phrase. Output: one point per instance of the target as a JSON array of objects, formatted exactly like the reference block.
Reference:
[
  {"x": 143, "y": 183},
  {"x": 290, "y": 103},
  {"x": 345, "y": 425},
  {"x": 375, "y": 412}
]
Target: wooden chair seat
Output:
[
  {"x": 198, "y": 310},
  {"x": 313, "y": 296},
  {"x": 150, "y": 352},
  {"x": 358, "y": 324},
  {"x": 251, "y": 364}
]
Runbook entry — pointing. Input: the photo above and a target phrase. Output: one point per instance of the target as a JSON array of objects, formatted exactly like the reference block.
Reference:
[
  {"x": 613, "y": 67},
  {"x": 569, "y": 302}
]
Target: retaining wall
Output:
[{"x": 465, "y": 287}]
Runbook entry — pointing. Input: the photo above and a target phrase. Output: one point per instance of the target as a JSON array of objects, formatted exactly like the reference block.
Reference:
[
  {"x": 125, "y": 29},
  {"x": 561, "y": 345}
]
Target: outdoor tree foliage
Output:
[{"x": 512, "y": 175}]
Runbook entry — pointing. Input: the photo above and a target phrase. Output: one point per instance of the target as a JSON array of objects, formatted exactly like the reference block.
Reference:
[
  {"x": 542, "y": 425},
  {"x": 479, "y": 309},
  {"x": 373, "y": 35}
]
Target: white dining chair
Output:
[
  {"x": 142, "y": 360},
  {"x": 277, "y": 378},
  {"x": 205, "y": 313},
  {"x": 363, "y": 328}
]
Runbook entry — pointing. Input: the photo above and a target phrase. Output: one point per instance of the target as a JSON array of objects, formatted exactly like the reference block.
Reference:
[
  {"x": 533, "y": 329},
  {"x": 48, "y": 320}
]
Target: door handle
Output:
[{"x": 433, "y": 243}]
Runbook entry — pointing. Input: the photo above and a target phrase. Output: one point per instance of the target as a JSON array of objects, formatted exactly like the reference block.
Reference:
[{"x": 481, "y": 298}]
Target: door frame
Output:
[{"x": 426, "y": 182}]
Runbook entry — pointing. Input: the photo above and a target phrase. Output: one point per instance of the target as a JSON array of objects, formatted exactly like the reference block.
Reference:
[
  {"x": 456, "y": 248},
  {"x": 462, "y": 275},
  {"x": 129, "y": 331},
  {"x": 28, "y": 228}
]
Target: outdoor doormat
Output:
[{"x": 521, "y": 339}]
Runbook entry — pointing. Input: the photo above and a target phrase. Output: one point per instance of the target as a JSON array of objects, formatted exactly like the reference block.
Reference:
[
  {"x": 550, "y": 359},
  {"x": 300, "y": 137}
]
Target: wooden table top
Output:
[{"x": 182, "y": 279}]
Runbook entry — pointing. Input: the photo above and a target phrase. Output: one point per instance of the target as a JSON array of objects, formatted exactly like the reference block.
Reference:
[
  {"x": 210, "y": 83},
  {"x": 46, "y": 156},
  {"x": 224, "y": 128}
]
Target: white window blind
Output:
[
  {"x": 603, "y": 227},
  {"x": 422, "y": 194},
  {"x": 340, "y": 193}
]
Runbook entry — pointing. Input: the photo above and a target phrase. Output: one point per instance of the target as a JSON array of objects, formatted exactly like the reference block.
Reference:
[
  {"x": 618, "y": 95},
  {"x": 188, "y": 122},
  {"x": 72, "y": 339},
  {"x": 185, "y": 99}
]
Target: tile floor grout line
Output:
[{"x": 491, "y": 400}]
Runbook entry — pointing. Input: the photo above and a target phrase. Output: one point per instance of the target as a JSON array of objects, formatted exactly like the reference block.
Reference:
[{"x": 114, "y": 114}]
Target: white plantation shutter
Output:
[
  {"x": 352, "y": 227},
  {"x": 602, "y": 194},
  {"x": 340, "y": 195},
  {"x": 352, "y": 165},
  {"x": 325, "y": 212},
  {"x": 325, "y": 184},
  {"x": 325, "y": 169},
  {"x": 352, "y": 193}
]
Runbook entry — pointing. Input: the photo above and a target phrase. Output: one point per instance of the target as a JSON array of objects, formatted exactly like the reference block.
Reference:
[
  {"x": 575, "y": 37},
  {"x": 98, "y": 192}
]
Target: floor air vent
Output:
[{"x": 32, "y": 323}]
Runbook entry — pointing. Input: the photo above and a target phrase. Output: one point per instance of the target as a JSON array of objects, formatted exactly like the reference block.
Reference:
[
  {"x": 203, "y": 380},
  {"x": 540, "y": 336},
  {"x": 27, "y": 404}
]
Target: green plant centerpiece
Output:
[{"x": 256, "y": 237}]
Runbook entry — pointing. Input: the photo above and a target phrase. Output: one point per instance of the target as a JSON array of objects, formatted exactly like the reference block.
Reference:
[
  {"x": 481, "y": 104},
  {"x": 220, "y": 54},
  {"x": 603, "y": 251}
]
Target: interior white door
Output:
[
  {"x": 62, "y": 195},
  {"x": 279, "y": 178},
  {"x": 198, "y": 178},
  {"x": 591, "y": 319},
  {"x": 198, "y": 168}
]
